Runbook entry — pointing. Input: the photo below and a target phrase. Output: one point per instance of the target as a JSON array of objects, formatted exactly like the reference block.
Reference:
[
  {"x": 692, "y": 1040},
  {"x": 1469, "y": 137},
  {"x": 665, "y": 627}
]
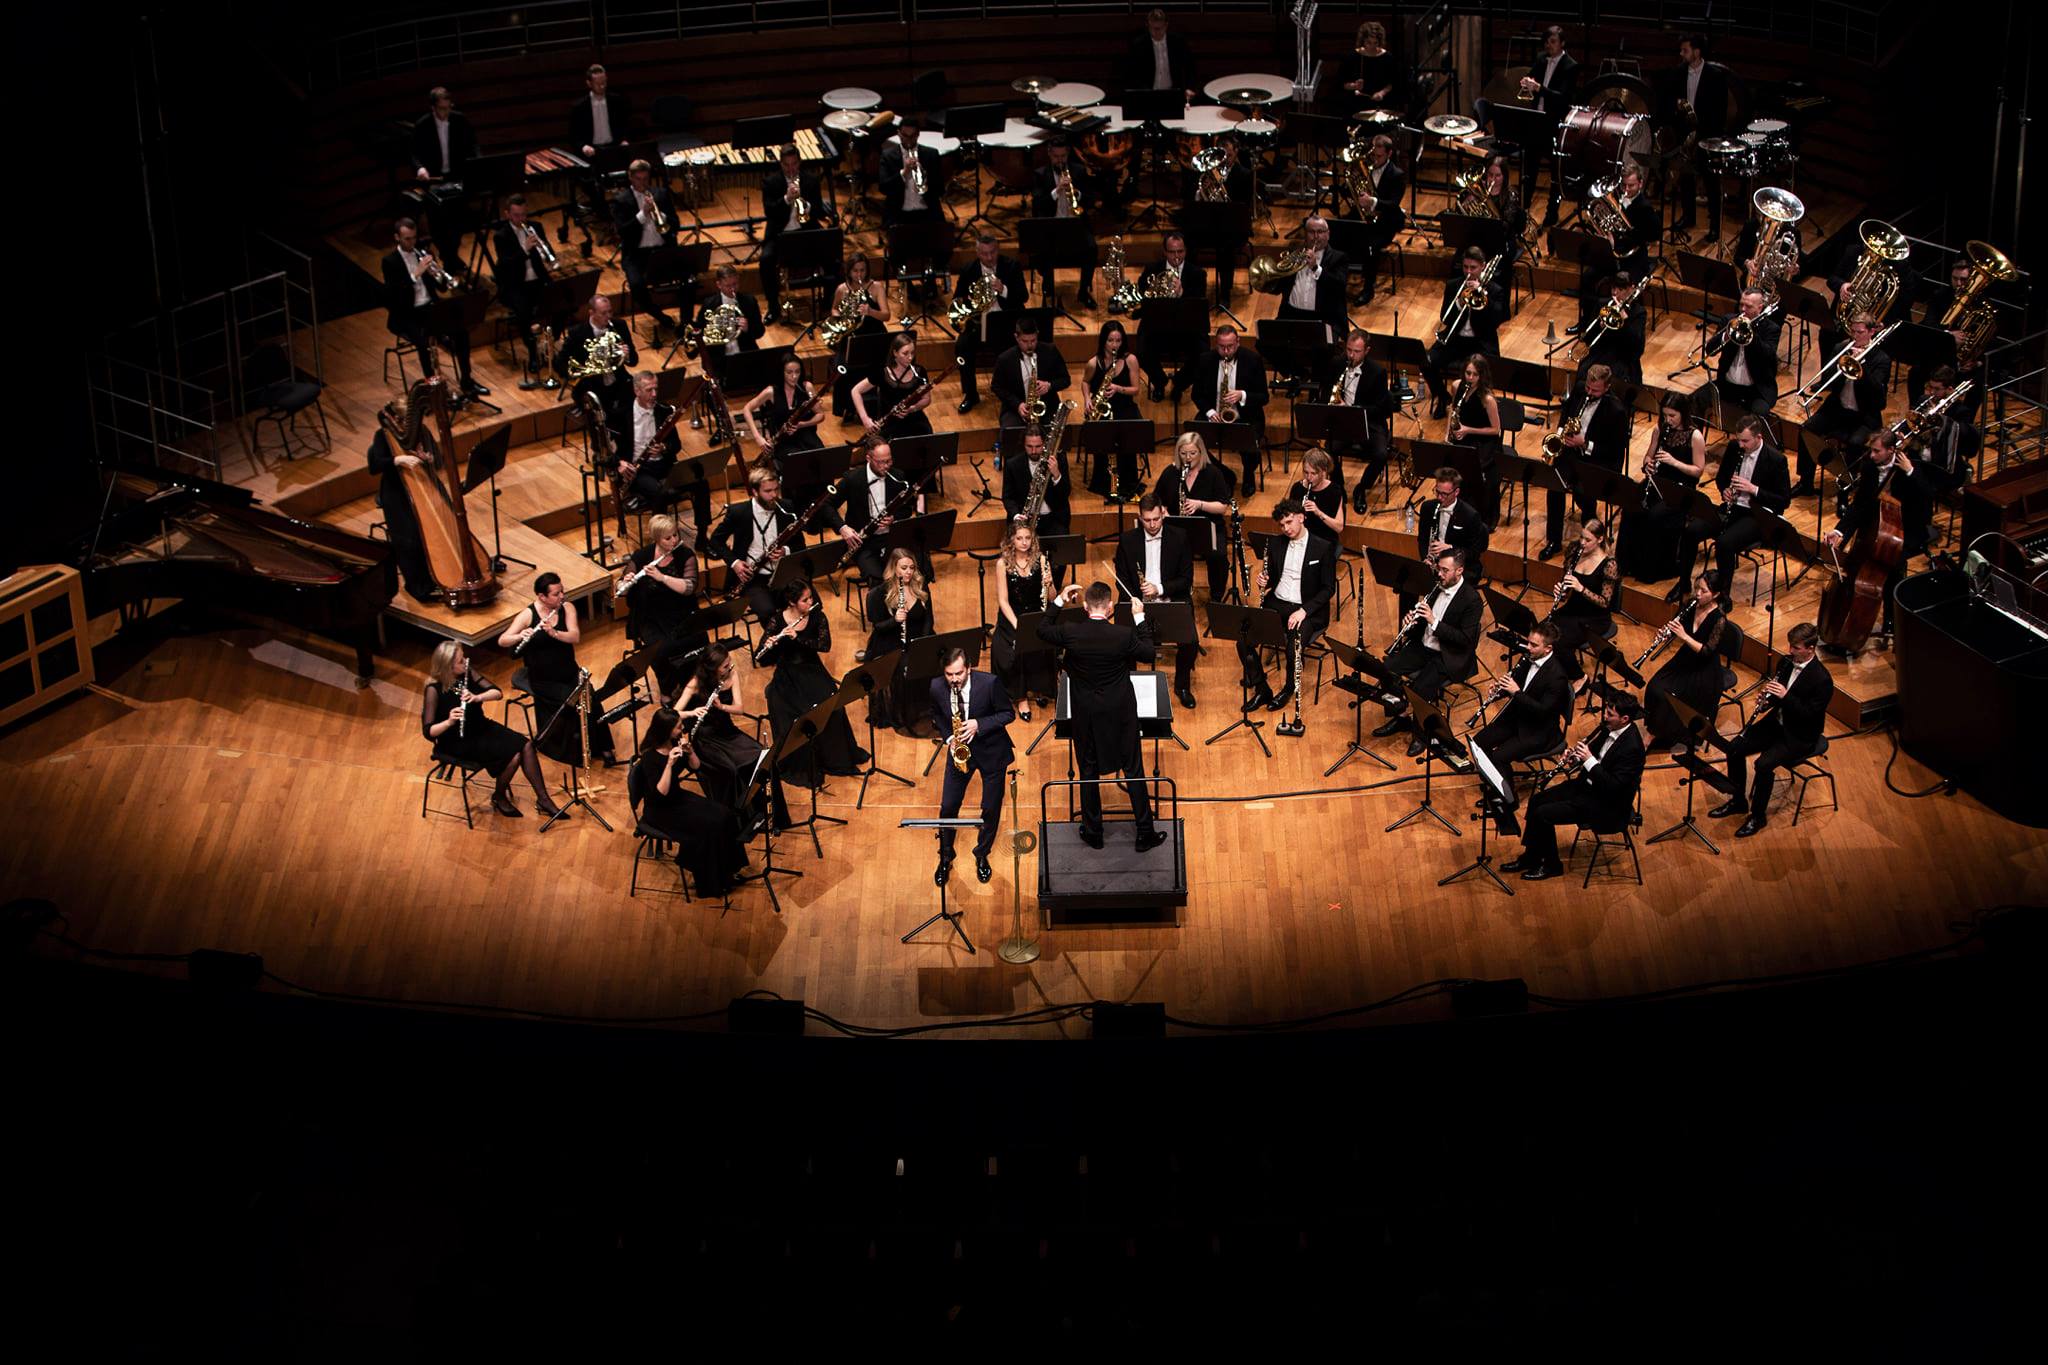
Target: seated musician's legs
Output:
[{"x": 1733, "y": 538}]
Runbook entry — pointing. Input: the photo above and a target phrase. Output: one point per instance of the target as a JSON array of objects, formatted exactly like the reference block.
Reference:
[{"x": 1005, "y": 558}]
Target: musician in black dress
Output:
[
  {"x": 1693, "y": 673},
  {"x": 1376, "y": 73},
  {"x": 1173, "y": 278},
  {"x": 790, "y": 201},
  {"x": 768, "y": 411},
  {"x": 644, "y": 216},
  {"x": 1320, "y": 495},
  {"x": 899, "y": 610},
  {"x": 713, "y": 703},
  {"x": 980, "y": 706},
  {"x": 1388, "y": 184},
  {"x": 413, "y": 279},
  {"x": 544, "y": 635},
  {"x": 1354, "y": 379},
  {"x": 1437, "y": 645},
  {"x": 1534, "y": 697},
  {"x": 1475, "y": 424},
  {"x": 1620, "y": 348},
  {"x": 1154, "y": 560},
  {"x": 1673, "y": 466},
  {"x": 1029, "y": 373},
  {"x": 1195, "y": 486},
  {"x": 705, "y": 831},
  {"x": 1099, "y": 656},
  {"x": 1582, "y": 606},
  {"x": 888, "y": 388},
  {"x": 1784, "y": 728},
  {"x": 1297, "y": 576},
  {"x": 1746, "y": 351},
  {"x": 1114, "y": 366},
  {"x": 612, "y": 389},
  {"x": 1020, "y": 475},
  {"x": 1230, "y": 377},
  {"x": 1062, "y": 188},
  {"x": 1610, "y": 763},
  {"x": 662, "y": 603},
  {"x": 1024, "y": 585},
  {"x": 408, "y": 551},
  {"x": 521, "y": 261},
  {"x": 795, "y": 637},
  {"x": 1888, "y": 473},
  {"x": 981, "y": 335},
  {"x": 1598, "y": 435},
  {"x": 1475, "y": 331},
  {"x": 874, "y": 320},
  {"x": 1853, "y": 410},
  {"x": 452, "y": 716},
  {"x": 1752, "y": 479}
]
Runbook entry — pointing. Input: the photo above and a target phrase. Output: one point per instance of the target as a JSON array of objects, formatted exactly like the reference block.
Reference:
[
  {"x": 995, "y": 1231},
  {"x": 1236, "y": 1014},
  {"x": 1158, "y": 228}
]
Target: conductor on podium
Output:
[{"x": 1099, "y": 656}]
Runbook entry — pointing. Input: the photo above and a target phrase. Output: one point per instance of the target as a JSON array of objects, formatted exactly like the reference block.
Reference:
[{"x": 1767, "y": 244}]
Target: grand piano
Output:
[{"x": 181, "y": 536}]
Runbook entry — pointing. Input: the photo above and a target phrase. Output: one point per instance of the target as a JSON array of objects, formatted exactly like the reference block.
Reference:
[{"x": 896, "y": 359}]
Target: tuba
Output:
[
  {"x": 1971, "y": 313},
  {"x": 1603, "y": 210},
  {"x": 1777, "y": 245},
  {"x": 1873, "y": 286},
  {"x": 1212, "y": 184},
  {"x": 1472, "y": 199}
]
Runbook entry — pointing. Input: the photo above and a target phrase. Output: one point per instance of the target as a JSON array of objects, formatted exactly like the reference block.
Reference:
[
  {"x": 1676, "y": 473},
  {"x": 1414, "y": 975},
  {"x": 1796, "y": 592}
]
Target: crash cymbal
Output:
[
  {"x": 1451, "y": 125},
  {"x": 1031, "y": 85}
]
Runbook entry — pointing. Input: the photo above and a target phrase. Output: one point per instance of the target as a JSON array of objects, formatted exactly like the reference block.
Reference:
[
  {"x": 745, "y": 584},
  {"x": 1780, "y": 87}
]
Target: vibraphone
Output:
[{"x": 811, "y": 145}]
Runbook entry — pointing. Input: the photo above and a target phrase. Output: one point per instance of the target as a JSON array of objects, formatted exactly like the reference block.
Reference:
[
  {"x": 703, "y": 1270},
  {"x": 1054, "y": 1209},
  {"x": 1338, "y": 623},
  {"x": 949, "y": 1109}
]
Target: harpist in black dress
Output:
[
  {"x": 474, "y": 738},
  {"x": 801, "y": 681},
  {"x": 1693, "y": 673},
  {"x": 706, "y": 833}
]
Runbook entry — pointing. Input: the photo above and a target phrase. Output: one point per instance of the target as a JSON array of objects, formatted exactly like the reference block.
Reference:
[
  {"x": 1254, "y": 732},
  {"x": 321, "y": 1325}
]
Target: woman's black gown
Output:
[
  {"x": 1648, "y": 547},
  {"x": 801, "y": 681},
  {"x": 1691, "y": 675},
  {"x": 706, "y": 832},
  {"x": 1023, "y": 674},
  {"x": 896, "y": 702},
  {"x": 483, "y": 743}
]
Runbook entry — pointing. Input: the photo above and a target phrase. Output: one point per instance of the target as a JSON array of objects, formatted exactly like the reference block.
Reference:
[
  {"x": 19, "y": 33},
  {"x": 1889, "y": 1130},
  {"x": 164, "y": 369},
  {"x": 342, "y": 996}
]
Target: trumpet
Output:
[
  {"x": 1065, "y": 189},
  {"x": 913, "y": 169},
  {"x": 538, "y": 241},
  {"x": 1846, "y": 364},
  {"x": 663, "y": 224},
  {"x": 431, "y": 268}
]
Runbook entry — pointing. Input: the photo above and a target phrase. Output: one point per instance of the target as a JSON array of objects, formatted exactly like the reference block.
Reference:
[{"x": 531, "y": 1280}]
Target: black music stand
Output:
[
  {"x": 486, "y": 460},
  {"x": 1050, "y": 243},
  {"x": 460, "y": 313},
  {"x": 1697, "y": 770},
  {"x": 1493, "y": 797},
  {"x": 693, "y": 470},
  {"x": 1714, "y": 278},
  {"x": 1150, "y": 109},
  {"x": 574, "y": 790},
  {"x": 563, "y": 297},
  {"x": 808, "y": 564},
  {"x": 1227, "y": 437},
  {"x": 1327, "y": 424},
  {"x": 1177, "y": 329},
  {"x": 921, "y": 458},
  {"x": 929, "y": 242},
  {"x": 749, "y": 372},
  {"x": 802, "y": 733},
  {"x": 1590, "y": 253},
  {"x": 1531, "y": 130},
  {"x": 1407, "y": 578},
  {"x": 923, "y": 535},
  {"x": 1295, "y": 345},
  {"x": 1360, "y": 661},
  {"x": 1434, "y": 455},
  {"x": 864, "y": 356},
  {"x": 1512, "y": 622},
  {"x": 1204, "y": 537},
  {"x": 1435, "y": 728},
  {"x": 1460, "y": 230},
  {"x": 1608, "y": 488},
  {"x": 970, "y": 123},
  {"x": 1173, "y": 623},
  {"x": 808, "y": 471},
  {"x": 1117, "y": 442},
  {"x": 756, "y": 788},
  {"x": 1261, "y": 628},
  {"x": 672, "y": 272},
  {"x": 1216, "y": 229},
  {"x": 1533, "y": 472},
  {"x": 939, "y": 825},
  {"x": 863, "y": 681},
  {"x": 813, "y": 258},
  {"x": 921, "y": 663}
]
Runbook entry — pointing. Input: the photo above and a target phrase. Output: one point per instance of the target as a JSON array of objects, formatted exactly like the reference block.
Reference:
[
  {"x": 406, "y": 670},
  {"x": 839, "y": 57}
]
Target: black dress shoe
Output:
[
  {"x": 501, "y": 802},
  {"x": 1728, "y": 808},
  {"x": 1151, "y": 838},
  {"x": 967, "y": 405},
  {"x": 1749, "y": 826},
  {"x": 1257, "y": 699},
  {"x": 943, "y": 873},
  {"x": 1279, "y": 703},
  {"x": 1520, "y": 864},
  {"x": 1092, "y": 838},
  {"x": 1392, "y": 727},
  {"x": 1575, "y": 329},
  {"x": 1543, "y": 872},
  {"x": 1677, "y": 591},
  {"x": 1415, "y": 747},
  {"x": 1802, "y": 489},
  {"x": 477, "y": 388},
  {"x": 1185, "y": 696},
  {"x": 981, "y": 867},
  {"x": 1548, "y": 549},
  {"x": 1158, "y": 392}
]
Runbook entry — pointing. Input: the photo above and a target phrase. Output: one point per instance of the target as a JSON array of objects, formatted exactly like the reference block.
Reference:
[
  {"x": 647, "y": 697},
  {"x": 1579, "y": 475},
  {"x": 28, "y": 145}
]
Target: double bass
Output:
[
  {"x": 457, "y": 559},
  {"x": 1852, "y": 606}
]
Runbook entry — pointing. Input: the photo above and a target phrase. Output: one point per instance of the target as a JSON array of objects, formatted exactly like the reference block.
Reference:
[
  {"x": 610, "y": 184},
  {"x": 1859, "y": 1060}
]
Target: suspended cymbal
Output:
[
  {"x": 1451, "y": 125},
  {"x": 1031, "y": 85}
]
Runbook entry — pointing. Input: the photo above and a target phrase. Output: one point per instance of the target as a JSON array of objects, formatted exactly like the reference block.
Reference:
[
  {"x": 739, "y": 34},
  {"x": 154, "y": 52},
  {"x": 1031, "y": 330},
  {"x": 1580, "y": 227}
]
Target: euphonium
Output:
[{"x": 1874, "y": 283}]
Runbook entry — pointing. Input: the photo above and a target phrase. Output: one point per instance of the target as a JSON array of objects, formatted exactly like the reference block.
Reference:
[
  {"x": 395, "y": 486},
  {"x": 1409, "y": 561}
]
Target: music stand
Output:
[
  {"x": 1712, "y": 277},
  {"x": 751, "y": 371},
  {"x": 486, "y": 459},
  {"x": 938, "y": 825},
  {"x": 864, "y": 681},
  {"x": 1178, "y": 328},
  {"x": 1234, "y": 438},
  {"x": 926, "y": 241},
  {"x": 922, "y": 535},
  {"x": 808, "y": 564},
  {"x": 1434, "y": 455},
  {"x": 755, "y": 788},
  {"x": 687, "y": 472},
  {"x": 1293, "y": 344},
  {"x": 1173, "y": 623},
  {"x": 1150, "y": 109},
  {"x": 806, "y": 472},
  {"x": 1493, "y": 796},
  {"x": 1697, "y": 724},
  {"x": 921, "y": 664},
  {"x": 1118, "y": 442},
  {"x": 1050, "y": 243},
  {"x": 672, "y": 271},
  {"x": 801, "y": 733},
  {"x": 1608, "y": 488},
  {"x": 1256, "y": 626},
  {"x": 1327, "y": 425},
  {"x": 970, "y": 123},
  {"x": 1510, "y": 617},
  {"x": 812, "y": 257},
  {"x": 918, "y": 458},
  {"x": 1529, "y": 128},
  {"x": 1359, "y": 660},
  {"x": 864, "y": 356},
  {"x": 1431, "y": 723},
  {"x": 563, "y": 297},
  {"x": 460, "y": 314},
  {"x": 1532, "y": 472},
  {"x": 1217, "y": 228}
]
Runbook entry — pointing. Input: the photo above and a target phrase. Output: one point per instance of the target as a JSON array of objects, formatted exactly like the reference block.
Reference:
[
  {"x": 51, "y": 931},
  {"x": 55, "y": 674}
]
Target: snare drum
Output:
[
  {"x": 1595, "y": 142},
  {"x": 1258, "y": 132}
]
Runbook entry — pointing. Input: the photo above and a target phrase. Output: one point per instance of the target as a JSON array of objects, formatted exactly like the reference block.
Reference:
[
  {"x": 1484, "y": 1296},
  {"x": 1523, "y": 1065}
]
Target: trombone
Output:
[{"x": 1846, "y": 364}]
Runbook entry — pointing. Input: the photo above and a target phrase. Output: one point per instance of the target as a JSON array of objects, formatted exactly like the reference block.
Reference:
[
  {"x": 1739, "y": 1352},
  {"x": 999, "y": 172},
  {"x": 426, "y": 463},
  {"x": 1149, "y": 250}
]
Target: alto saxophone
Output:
[{"x": 956, "y": 746}]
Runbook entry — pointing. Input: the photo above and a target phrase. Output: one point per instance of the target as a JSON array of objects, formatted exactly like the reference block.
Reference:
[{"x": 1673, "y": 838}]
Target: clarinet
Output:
[
  {"x": 903, "y": 605},
  {"x": 462, "y": 704}
]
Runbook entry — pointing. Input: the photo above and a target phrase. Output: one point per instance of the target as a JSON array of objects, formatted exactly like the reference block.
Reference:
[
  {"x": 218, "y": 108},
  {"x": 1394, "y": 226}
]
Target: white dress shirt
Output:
[
  {"x": 1288, "y": 589},
  {"x": 441, "y": 131},
  {"x": 1745, "y": 470},
  {"x": 412, "y": 268},
  {"x": 1351, "y": 374},
  {"x": 1597, "y": 748},
  {"x": 1692, "y": 84},
  {"x": 1162, "y": 69},
  {"x": 912, "y": 200},
  {"x": 1303, "y": 294},
  {"x": 1738, "y": 368},
  {"x": 765, "y": 522},
  {"x": 643, "y": 430},
  {"x": 1155, "y": 548},
  {"x": 878, "y": 492},
  {"x": 1437, "y": 604},
  {"x": 600, "y": 121}
]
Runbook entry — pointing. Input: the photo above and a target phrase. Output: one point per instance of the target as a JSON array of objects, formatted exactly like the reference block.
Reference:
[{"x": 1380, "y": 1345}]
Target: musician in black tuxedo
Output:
[
  {"x": 1534, "y": 697},
  {"x": 1027, "y": 371},
  {"x": 520, "y": 261},
  {"x": 1946, "y": 450},
  {"x": 1229, "y": 373},
  {"x": 1059, "y": 489},
  {"x": 1298, "y": 574},
  {"x": 644, "y": 216},
  {"x": 747, "y": 529},
  {"x": 1389, "y": 186},
  {"x": 442, "y": 144},
  {"x": 1439, "y": 644},
  {"x": 1552, "y": 85},
  {"x": 724, "y": 297},
  {"x": 1627, "y": 250},
  {"x": 601, "y": 117},
  {"x": 1155, "y": 561},
  {"x": 1603, "y": 796},
  {"x": 1620, "y": 349},
  {"x": 981, "y": 335},
  {"x": 663, "y": 604},
  {"x": 1797, "y": 694},
  {"x": 1601, "y": 439},
  {"x": 1854, "y": 407},
  {"x": 1752, "y": 477},
  {"x": 1477, "y": 331},
  {"x": 412, "y": 281},
  {"x": 1158, "y": 60},
  {"x": 1747, "y": 376},
  {"x": 1447, "y": 522},
  {"x": 1099, "y": 657},
  {"x": 1354, "y": 379},
  {"x": 1939, "y": 301},
  {"x": 611, "y": 389},
  {"x": 781, "y": 190},
  {"x": 1696, "y": 104},
  {"x": 1229, "y": 182},
  {"x": 865, "y": 494},
  {"x": 408, "y": 551},
  {"x": 1316, "y": 292},
  {"x": 1049, "y": 199},
  {"x": 1174, "y": 277},
  {"x": 1888, "y": 471},
  {"x": 982, "y": 705},
  {"x": 647, "y": 459},
  {"x": 902, "y": 201}
]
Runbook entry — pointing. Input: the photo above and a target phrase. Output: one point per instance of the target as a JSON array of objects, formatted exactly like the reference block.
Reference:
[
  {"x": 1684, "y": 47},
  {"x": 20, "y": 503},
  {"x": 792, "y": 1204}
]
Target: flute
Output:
[{"x": 532, "y": 630}]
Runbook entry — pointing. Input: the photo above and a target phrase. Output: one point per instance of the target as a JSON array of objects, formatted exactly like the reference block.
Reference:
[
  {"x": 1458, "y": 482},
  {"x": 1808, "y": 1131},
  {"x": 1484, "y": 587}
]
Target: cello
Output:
[
  {"x": 456, "y": 558},
  {"x": 1851, "y": 606}
]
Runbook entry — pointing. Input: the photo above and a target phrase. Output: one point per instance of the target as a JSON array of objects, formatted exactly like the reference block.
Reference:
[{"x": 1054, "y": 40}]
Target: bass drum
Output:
[{"x": 1594, "y": 144}]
